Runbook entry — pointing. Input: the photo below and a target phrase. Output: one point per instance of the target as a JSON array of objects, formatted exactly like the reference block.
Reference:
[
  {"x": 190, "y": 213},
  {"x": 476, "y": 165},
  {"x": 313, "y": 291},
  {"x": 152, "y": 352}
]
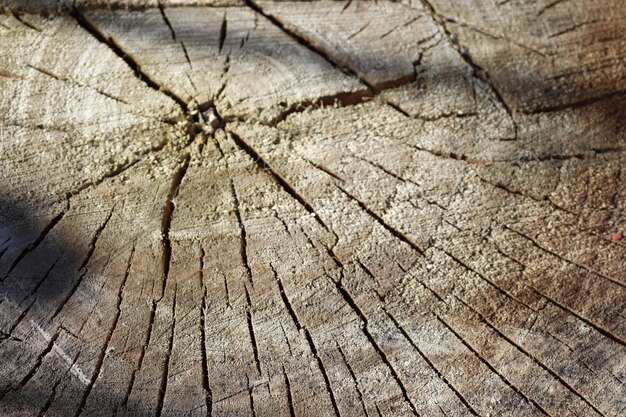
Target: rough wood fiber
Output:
[
  {"x": 231, "y": 57},
  {"x": 37, "y": 6},
  {"x": 313, "y": 208}
]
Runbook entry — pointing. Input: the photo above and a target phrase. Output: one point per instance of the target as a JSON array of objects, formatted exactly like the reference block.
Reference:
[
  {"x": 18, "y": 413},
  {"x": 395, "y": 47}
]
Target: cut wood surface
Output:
[{"x": 312, "y": 208}]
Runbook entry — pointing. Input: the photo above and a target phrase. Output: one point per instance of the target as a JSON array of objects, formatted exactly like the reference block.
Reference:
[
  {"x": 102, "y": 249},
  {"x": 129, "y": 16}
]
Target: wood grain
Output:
[{"x": 312, "y": 208}]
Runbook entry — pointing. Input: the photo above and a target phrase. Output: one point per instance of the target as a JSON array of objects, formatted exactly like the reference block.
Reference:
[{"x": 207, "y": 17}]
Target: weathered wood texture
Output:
[{"x": 313, "y": 208}]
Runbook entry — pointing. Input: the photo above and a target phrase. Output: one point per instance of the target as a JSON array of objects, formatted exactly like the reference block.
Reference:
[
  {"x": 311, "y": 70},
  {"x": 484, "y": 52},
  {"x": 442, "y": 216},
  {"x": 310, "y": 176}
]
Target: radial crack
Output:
[
  {"x": 491, "y": 368},
  {"x": 208, "y": 398},
  {"x": 94, "y": 240},
  {"x": 354, "y": 379},
  {"x": 33, "y": 245},
  {"x": 565, "y": 260},
  {"x": 525, "y": 194},
  {"x": 223, "y": 32},
  {"x": 529, "y": 355},
  {"x": 35, "y": 368},
  {"x": 285, "y": 299},
  {"x": 81, "y": 277},
  {"x": 264, "y": 166},
  {"x": 396, "y": 233},
  {"x": 383, "y": 356},
  {"x": 105, "y": 346},
  {"x": 166, "y": 220},
  {"x": 166, "y": 360},
  {"x": 309, "y": 340},
  {"x": 251, "y": 333},
  {"x": 70, "y": 81},
  {"x": 243, "y": 241},
  {"x": 174, "y": 37},
  {"x": 306, "y": 43},
  {"x": 477, "y": 71},
  {"x": 93, "y": 30},
  {"x": 116, "y": 171},
  {"x": 292, "y": 412},
  {"x": 578, "y": 104},
  {"x": 430, "y": 363}
]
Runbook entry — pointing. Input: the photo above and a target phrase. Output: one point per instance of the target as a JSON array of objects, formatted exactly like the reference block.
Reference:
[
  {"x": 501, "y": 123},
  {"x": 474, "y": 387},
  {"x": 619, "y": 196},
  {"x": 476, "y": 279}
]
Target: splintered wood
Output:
[{"x": 312, "y": 208}]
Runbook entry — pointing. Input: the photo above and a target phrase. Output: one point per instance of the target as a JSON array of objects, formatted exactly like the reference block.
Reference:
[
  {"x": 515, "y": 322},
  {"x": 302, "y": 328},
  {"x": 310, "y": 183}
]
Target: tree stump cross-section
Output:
[{"x": 342, "y": 208}]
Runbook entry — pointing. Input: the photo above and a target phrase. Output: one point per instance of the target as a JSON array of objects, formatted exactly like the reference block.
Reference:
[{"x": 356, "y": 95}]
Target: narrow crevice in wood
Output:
[
  {"x": 499, "y": 289},
  {"x": 166, "y": 20},
  {"x": 35, "y": 368},
  {"x": 120, "y": 169},
  {"x": 343, "y": 9},
  {"x": 173, "y": 32},
  {"x": 18, "y": 17},
  {"x": 549, "y": 6},
  {"x": 354, "y": 379},
  {"x": 341, "y": 99},
  {"x": 578, "y": 104},
  {"x": 126, "y": 57},
  {"x": 42, "y": 280},
  {"x": 318, "y": 50},
  {"x": 491, "y": 35},
  {"x": 109, "y": 336},
  {"x": 243, "y": 241},
  {"x": 453, "y": 115},
  {"x": 396, "y": 233},
  {"x": 301, "y": 329},
  {"x": 82, "y": 276},
  {"x": 251, "y": 396},
  {"x": 361, "y": 29},
  {"x": 292, "y": 412},
  {"x": 491, "y": 368},
  {"x": 430, "y": 363},
  {"x": 264, "y": 166},
  {"x": 285, "y": 299},
  {"x": 9, "y": 336},
  {"x": 444, "y": 155},
  {"x": 591, "y": 154},
  {"x": 390, "y": 31},
  {"x": 166, "y": 221},
  {"x": 208, "y": 398},
  {"x": 94, "y": 239},
  {"x": 142, "y": 354},
  {"x": 399, "y": 109},
  {"x": 526, "y": 194},
  {"x": 388, "y": 172},
  {"x": 44, "y": 411},
  {"x": 166, "y": 359},
  {"x": 373, "y": 277},
  {"x": 246, "y": 390},
  {"x": 383, "y": 356},
  {"x": 477, "y": 71},
  {"x": 565, "y": 260},
  {"x": 33, "y": 245},
  {"x": 251, "y": 333},
  {"x": 6, "y": 242},
  {"x": 556, "y": 376},
  {"x": 324, "y": 169},
  {"x": 57, "y": 77},
  {"x": 21, "y": 317},
  {"x": 322, "y": 369},
  {"x": 223, "y": 32},
  {"x": 226, "y": 291}
]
